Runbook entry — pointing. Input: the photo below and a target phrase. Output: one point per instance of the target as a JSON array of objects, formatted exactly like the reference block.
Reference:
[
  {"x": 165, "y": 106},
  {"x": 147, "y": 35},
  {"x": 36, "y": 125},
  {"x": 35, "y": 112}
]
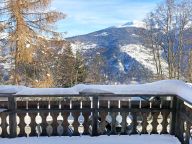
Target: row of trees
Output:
[
  {"x": 39, "y": 56},
  {"x": 169, "y": 35}
]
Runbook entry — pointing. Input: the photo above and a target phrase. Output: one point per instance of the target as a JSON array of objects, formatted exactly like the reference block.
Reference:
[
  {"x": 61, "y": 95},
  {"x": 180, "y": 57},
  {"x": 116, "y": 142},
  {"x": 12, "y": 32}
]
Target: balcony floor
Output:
[{"x": 134, "y": 139}]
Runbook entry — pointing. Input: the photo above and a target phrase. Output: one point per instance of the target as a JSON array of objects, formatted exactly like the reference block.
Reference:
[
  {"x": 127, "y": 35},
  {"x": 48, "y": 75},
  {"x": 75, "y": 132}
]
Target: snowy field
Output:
[{"x": 134, "y": 139}]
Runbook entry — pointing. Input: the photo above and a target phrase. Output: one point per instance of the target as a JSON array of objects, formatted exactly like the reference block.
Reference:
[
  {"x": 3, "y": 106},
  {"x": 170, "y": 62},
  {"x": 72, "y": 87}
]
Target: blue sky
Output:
[{"x": 85, "y": 16}]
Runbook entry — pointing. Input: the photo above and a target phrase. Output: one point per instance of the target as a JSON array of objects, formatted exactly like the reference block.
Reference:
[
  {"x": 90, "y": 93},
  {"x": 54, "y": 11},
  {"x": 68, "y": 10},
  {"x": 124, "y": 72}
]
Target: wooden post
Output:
[
  {"x": 175, "y": 117},
  {"x": 95, "y": 116},
  {"x": 173, "y": 106},
  {"x": 12, "y": 105}
]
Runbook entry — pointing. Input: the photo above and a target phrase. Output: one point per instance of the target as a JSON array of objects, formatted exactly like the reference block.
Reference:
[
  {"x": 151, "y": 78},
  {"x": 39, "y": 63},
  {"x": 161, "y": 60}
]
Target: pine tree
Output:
[
  {"x": 80, "y": 68},
  {"x": 27, "y": 23},
  {"x": 95, "y": 71},
  {"x": 65, "y": 67}
]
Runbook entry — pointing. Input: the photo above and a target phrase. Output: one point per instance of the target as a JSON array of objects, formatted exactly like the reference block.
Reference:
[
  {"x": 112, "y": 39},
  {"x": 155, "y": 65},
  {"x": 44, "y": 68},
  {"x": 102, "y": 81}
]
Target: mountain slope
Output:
[{"x": 122, "y": 49}]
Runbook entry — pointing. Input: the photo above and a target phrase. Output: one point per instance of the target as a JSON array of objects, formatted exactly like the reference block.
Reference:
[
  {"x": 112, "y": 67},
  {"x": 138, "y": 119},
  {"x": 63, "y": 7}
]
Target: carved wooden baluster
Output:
[
  {"x": 70, "y": 120},
  {"x": 139, "y": 127},
  {"x": 169, "y": 123},
  {"x": 27, "y": 120},
  {"x": 90, "y": 119},
  {"x": 49, "y": 120},
  {"x": 119, "y": 119},
  {"x": 129, "y": 120},
  {"x": 18, "y": 122},
  {"x": 81, "y": 121},
  {"x": 7, "y": 121},
  {"x": 190, "y": 131},
  {"x": 159, "y": 121},
  {"x": 108, "y": 119},
  {"x": 149, "y": 121},
  {"x": 17, "y": 125},
  {"x": 99, "y": 128},
  {"x": 60, "y": 119},
  {"x": 185, "y": 131},
  {"x": 169, "y": 119},
  {"x": 38, "y": 120}
]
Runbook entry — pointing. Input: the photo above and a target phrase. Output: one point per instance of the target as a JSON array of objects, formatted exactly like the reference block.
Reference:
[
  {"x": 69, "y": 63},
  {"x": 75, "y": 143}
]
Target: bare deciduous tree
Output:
[{"x": 167, "y": 26}]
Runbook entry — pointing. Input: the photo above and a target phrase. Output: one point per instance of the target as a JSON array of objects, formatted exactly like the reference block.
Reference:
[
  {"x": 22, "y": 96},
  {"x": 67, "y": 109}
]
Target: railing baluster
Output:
[
  {"x": 70, "y": 120},
  {"x": 149, "y": 127},
  {"x": 119, "y": 120},
  {"x": 190, "y": 134},
  {"x": 129, "y": 120},
  {"x": 139, "y": 127},
  {"x": 27, "y": 120},
  {"x": 108, "y": 119},
  {"x": 60, "y": 129},
  {"x": 81, "y": 120},
  {"x": 38, "y": 120},
  {"x": 90, "y": 119},
  {"x": 159, "y": 121},
  {"x": 49, "y": 120}
]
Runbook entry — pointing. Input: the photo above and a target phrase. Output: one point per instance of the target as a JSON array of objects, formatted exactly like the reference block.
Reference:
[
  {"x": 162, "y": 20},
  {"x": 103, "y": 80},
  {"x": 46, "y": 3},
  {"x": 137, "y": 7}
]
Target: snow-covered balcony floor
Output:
[{"x": 133, "y": 139}]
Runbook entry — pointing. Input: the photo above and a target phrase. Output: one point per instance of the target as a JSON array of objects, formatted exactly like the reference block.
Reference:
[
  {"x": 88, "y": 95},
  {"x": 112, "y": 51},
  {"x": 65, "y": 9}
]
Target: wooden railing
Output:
[{"x": 95, "y": 115}]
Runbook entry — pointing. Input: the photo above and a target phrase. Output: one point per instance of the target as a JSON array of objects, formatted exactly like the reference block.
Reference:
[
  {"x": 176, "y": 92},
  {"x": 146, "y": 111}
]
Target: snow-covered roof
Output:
[{"x": 164, "y": 87}]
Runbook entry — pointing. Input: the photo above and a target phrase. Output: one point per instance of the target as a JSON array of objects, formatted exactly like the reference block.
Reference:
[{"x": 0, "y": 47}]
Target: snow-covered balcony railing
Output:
[{"x": 162, "y": 107}]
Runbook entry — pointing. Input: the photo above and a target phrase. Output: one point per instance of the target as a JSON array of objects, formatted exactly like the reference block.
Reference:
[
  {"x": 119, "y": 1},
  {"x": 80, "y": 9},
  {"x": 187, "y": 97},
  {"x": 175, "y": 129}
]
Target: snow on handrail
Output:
[
  {"x": 163, "y": 87},
  {"x": 10, "y": 89}
]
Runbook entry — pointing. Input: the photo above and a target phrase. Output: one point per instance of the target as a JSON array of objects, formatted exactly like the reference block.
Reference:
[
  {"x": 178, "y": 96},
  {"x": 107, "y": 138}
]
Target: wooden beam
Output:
[{"x": 92, "y": 110}]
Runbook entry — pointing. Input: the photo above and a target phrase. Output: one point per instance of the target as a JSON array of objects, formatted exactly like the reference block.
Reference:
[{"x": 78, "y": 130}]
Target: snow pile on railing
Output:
[
  {"x": 164, "y": 87},
  {"x": 10, "y": 89},
  {"x": 48, "y": 91}
]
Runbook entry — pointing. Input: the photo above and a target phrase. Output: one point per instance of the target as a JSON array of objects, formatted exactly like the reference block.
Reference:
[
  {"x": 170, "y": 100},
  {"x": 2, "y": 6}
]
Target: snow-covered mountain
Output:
[
  {"x": 135, "y": 23},
  {"x": 122, "y": 48}
]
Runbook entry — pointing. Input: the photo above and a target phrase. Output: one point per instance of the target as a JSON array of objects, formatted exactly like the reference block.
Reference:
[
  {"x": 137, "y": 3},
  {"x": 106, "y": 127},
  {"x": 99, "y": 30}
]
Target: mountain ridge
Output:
[{"x": 123, "y": 50}]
